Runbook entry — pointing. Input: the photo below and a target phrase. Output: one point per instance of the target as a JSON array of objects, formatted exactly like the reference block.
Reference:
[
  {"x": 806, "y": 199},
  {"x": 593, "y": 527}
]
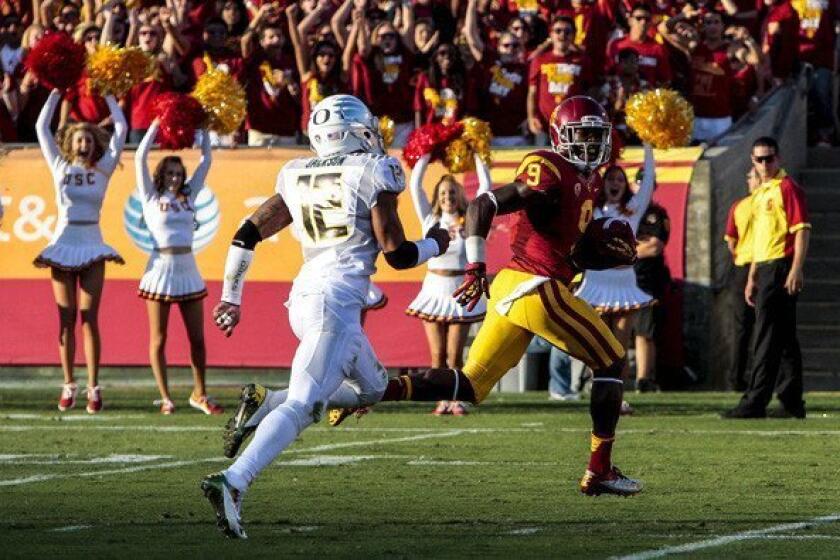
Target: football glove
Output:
[{"x": 474, "y": 285}]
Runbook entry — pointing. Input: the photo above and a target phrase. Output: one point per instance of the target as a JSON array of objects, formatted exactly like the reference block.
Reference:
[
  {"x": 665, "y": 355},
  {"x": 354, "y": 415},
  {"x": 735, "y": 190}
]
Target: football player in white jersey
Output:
[{"x": 342, "y": 206}]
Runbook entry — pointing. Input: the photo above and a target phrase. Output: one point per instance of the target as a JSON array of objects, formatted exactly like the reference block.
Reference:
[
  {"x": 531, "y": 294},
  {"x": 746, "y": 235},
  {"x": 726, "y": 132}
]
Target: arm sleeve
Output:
[
  {"x": 199, "y": 176},
  {"x": 422, "y": 207},
  {"x": 42, "y": 129},
  {"x": 388, "y": 176},
  {"x": 482, "y": 170},
  {"x": 796, "y": 209},
  {"x": 141, "y": 163},
  {"x": 641, "y": 200},
  {"x": 109, "y": 161}
]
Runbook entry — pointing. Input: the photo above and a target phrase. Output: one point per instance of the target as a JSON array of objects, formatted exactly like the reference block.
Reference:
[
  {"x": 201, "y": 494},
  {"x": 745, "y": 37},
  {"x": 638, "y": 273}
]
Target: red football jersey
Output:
[{"x": 547, "y": 228}]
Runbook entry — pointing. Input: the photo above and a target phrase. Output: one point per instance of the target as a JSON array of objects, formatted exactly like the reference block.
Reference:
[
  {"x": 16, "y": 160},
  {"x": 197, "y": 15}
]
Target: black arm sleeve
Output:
[
  {"x": 247, "y": 236},
  {"x": 404, "y": 256}
]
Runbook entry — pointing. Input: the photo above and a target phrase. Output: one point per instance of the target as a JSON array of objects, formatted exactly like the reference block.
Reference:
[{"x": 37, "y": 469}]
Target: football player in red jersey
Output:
[{"x": 553, "y": 197}]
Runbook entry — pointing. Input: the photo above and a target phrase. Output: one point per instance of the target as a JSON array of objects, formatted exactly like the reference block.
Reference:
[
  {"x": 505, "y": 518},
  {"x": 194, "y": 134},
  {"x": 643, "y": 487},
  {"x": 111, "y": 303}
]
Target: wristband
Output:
[
  {"x": 426, "y": 249},
  {"x": 236, "y": 265},
  {"x": 475, "y": 246}
]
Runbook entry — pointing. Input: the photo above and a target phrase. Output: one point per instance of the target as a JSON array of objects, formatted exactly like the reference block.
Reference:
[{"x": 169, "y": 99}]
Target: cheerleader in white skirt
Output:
[
  {"x": 614, "y": 292},
  {"x": 82, "y": 158},
  {"x": 446, "y": 323},
  {"x": 172, "y": 275}
]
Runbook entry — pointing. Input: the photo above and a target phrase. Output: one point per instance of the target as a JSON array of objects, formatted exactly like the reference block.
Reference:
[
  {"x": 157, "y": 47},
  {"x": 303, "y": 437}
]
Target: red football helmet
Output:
[{"x": 581, "y": 132}]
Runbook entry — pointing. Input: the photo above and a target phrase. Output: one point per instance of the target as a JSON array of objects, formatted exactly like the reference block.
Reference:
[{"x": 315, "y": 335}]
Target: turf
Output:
[{"x": 400, "y": 483}]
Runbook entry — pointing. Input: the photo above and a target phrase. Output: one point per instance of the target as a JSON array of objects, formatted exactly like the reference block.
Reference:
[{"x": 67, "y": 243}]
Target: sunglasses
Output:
[
  {"x": 509, "y": 46},
  {"x": 563, "y": 31},
  {"x": 383, "y": 36},
  {"x": 764, "y": 159},
  {"x": 641, "y": 18}
]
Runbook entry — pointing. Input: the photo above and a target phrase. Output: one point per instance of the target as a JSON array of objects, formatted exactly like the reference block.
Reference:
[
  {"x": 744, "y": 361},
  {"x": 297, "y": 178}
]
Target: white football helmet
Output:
[{"x": 342, "y": 124}]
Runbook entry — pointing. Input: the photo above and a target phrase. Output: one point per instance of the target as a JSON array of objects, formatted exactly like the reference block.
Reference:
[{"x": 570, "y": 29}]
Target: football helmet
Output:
[
  {"x": 581, "y": 132},
  {"x": 342, "y": 124}
]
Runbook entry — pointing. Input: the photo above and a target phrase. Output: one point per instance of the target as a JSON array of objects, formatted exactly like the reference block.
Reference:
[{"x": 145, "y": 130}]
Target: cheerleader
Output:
[
  {"x": 171, "y": 275},
  {"x": 614, "y": 292},
  {"x": 446, "y": 323},
  {"x": 81, "y": 158}
]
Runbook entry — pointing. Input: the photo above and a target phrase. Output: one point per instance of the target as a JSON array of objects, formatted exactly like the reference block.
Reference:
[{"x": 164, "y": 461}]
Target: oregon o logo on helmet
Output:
[
  {"x": 317, "y": 116},
  {"x": 207, "y": 220}
]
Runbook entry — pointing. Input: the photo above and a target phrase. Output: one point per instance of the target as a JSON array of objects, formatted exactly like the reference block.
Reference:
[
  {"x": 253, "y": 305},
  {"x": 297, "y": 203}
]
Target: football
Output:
[{"x": 605, "y": 243}]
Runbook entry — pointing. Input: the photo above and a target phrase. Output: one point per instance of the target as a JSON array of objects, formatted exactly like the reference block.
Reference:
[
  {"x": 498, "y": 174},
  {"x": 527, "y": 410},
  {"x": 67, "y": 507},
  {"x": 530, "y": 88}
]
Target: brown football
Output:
[{"x": 605, "y": 243}]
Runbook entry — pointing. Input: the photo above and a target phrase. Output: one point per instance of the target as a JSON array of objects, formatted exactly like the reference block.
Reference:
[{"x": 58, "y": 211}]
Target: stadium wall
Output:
[
  {"x": 239, "y": 180},
  {"x": 719, "y": 180}
]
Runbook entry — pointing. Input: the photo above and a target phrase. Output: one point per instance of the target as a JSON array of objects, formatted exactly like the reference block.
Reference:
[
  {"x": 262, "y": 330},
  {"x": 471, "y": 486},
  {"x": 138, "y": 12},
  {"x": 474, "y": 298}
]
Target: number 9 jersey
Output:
[
  {"x": 545, "y": 231},
  {"x": 330, "y": 200}
]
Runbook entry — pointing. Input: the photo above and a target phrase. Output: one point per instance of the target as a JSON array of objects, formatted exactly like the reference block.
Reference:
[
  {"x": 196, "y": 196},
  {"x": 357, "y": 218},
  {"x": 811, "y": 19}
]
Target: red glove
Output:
[{"x": 474, "y": 285}]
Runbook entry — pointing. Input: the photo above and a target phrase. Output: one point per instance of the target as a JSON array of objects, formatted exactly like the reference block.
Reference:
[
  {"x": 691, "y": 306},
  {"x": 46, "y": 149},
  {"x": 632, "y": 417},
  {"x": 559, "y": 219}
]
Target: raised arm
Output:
[
  {"x": 42, "y": 128},
  {"x": 418, "y": 195},
  {"x": 406, "y": 30},
  {"x": 641, "y": 200},
  {"x": 338, "y": 23},
  {"x": 485, "y": 182},
  {"x": 111, "y": 158},
  {"x": 141, "y": 162},
  {"x": 199, "y": 176},
  {"x": 352, "y": 42},
  {"x": 301, "y": 52},
  {"x": 474, "y": 41}
]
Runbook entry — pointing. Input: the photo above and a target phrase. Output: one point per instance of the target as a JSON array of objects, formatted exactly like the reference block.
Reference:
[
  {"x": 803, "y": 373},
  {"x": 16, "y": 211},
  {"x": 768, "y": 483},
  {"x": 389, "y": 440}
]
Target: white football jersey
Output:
[{"x": 330, "y": 200}]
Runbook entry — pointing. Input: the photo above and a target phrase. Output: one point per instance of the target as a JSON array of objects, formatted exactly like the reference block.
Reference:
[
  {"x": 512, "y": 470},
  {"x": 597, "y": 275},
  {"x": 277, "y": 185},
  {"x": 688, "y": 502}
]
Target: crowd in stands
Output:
[{"x": 418, "y": 61}]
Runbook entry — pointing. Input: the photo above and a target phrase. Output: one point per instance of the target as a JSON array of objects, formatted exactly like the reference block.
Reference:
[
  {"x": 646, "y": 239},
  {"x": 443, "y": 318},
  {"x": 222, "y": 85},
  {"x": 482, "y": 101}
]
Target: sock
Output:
[
  {"x": 274, "y": 434},
  {"x": 600, "y": 459}
]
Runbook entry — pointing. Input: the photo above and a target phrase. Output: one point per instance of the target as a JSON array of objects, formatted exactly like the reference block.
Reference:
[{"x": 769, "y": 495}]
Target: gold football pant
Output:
[{"x": 550, "y": 311}]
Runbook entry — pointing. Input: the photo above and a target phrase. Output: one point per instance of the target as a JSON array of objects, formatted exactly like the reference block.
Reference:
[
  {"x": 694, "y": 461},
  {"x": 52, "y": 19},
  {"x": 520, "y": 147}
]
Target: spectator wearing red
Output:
[
  {"x": 553, "y": 76},
  {"x": 654, "y": 66},
  {"x": 818, "y": 20},
  {"x": 138, "y": 104},
  {"x": 82, "y": 104},
  {"x": 322, "y": 69},
  {"x": 746, "y": 61},
  {"x": 503, "y": 82},
  {"x": 235, "y": 16},
  {"x": 216, "y": 54},
  {"x": 594, "y": 20},
  {"x": 711, "y": 81},
  {"x": 619, "y": 87},
  {"x": 780, "y": 37},
  {"x": 272, "y": 85},
  {"x": 383, "y": 76},
  {"x": 444, "y": 93}
]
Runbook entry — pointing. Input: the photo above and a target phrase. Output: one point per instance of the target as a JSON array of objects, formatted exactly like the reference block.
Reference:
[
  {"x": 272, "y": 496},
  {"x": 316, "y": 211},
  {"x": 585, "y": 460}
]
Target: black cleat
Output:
[{"x": 236, "y": 431}]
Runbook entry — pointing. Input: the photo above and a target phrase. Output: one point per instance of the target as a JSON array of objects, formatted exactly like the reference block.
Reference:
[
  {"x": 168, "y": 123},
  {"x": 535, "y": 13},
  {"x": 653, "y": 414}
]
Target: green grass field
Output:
[{"x": 400, "y": 483}]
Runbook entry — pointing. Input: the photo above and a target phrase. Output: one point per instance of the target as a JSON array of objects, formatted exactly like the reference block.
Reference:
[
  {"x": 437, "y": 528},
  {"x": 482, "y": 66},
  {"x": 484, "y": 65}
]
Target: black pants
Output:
[
  {"x": 743, "y": 317},
  {"x": 775, "y": 336}
]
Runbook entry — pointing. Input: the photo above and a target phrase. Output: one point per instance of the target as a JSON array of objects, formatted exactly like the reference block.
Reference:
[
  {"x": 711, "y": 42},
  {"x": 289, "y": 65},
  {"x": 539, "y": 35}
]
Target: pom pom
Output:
[
  {"x": 430, "y": 139},
  {"x": 222, "y": 99},
  {"x": 460, "y": 153},
  {"x": 57, "y": 61},
  {"x": 660, "y": 117},
  {"x": 180, "y": 116},
  {"x": 386, "y": 129},
  {"x": 115, "y": 70}
]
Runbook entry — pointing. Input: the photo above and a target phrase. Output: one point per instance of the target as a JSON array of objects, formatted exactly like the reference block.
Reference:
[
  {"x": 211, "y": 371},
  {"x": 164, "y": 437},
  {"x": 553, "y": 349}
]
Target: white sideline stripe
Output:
[
  {"x": 460, "y": 463},
  {"x": 70, "y": 528},
  {"x": 65, "y": 460},
  {"x": 318, "y": 448},
  {"x": 728, "y": 539},
  {"x": 525, "y": 531}
]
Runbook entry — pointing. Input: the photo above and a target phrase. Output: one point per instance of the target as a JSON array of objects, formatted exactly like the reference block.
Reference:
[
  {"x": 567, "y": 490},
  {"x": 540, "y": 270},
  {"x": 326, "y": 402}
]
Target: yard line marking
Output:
[
  {"x": 728, "y": 539},
  {"x": 316, "y": 449},
  {"x": 525, "y": 531},
  {"x": 461, "y": 463},
  {"x": 66, "y": 460},
  {"x": 70, "y": 528}
]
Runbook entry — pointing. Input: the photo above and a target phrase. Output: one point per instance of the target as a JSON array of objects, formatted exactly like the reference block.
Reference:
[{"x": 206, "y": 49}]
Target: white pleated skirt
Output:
[
  {"x": 172, "y": 278},
  {"x": 613, "y": 290},
  {"x": 435, "y": 301},
  {"x": 75, "y": 247}
]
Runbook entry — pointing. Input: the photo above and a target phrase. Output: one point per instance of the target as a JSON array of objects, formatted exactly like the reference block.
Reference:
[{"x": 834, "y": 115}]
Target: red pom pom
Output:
[
  {"x": 430, "y": 139},
  {"x": 57, "y": 61},
  {"x": 180, "y": 116}
]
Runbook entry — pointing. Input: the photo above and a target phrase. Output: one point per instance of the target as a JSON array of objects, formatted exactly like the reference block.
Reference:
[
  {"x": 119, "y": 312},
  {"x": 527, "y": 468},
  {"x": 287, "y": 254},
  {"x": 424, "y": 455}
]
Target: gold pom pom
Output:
[
  {"x": 460, "y": 154},
  {"x": 115, "y": 70},
  {"x": 223, "y": 99},
  {"x": 386, "y": 129},
  {"x": 660, "y": 117}
]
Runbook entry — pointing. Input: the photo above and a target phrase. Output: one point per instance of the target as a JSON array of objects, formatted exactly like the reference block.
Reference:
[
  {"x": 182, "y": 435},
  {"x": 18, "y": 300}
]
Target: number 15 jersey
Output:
[
  {"x": 330, "y": 200},
  {"x": 547, "y": 228}
]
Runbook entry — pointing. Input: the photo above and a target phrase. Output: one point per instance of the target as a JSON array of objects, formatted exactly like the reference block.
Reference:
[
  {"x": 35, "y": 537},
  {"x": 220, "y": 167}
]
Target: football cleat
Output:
[
  {"x": 207, "y": 405},
  {"x": 68, "y": 396},
  {"x": 94, "y": 396},
  {"x": 227, "y": 503},
  {"x": 236, "y": 431},
  {"x": 611, "y": 482},
  {"x": 339, "y": 415},
  {"x": 442, "y": 408}
]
